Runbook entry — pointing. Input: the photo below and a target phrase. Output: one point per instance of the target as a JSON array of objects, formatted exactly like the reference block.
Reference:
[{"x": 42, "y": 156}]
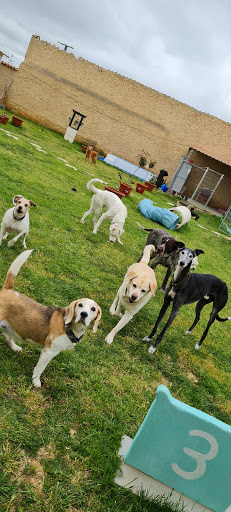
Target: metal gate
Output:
[
  {"x": 207, "y": 186},
  {"x": 207, "y": 181},
  {"x": 225, "y": 225}
]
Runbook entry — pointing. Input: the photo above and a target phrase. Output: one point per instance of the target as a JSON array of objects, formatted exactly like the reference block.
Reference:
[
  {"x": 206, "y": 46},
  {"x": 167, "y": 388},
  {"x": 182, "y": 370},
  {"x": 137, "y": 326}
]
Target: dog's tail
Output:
[
  {"x": 141, "y": 227},
  {"x": 146, "y": 253},
  {"x": 14, "y": 269},
  {"x": 91, "y": 187},
  {"x": 222, "y": 319}
]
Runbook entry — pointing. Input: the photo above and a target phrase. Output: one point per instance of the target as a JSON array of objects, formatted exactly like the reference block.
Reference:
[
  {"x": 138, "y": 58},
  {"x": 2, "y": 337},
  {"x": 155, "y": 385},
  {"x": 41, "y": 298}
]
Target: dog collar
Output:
[
  {"x": 15, "y": 218},
  {"x": 178, "y": 284},
  {"x": 72, "y": 336}
]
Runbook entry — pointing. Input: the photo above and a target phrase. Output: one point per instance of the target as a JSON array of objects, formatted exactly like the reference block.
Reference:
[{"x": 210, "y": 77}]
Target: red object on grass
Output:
[
  {"x": 117, "y": 192},
  {"x": 140, "y": 188}
]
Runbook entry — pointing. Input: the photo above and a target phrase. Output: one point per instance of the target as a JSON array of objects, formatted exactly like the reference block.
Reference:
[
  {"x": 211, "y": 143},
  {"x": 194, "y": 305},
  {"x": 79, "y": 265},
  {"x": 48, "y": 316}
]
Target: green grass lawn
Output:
[{"x": 59, "y": 444}]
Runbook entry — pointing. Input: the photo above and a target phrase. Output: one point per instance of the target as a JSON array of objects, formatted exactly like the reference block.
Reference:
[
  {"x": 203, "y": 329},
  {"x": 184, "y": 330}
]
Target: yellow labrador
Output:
[{"x": 138, "y": 287}]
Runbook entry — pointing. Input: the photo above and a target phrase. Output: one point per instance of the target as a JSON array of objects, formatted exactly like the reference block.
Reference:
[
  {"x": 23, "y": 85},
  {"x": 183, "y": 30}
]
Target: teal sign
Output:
[{"x": 185, "y": 449}]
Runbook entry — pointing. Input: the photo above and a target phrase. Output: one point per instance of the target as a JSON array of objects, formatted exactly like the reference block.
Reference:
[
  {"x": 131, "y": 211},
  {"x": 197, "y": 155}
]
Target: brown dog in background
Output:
[{"x": 90, "y": 153}]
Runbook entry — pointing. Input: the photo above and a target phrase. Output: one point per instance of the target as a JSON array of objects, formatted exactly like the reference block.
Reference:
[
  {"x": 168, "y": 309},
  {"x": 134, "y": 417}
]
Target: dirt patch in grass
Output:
[{"x": 31, "y": 470}]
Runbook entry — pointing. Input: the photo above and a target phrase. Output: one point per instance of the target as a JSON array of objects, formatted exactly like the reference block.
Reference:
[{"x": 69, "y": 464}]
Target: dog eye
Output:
[
  {"x": 143, "y": 291},
  {"x": 93, "y": 308},
  {"x": 190, "y": 255},
  {"x": 134, "y": 285},
  {"x": 80, "y": 305},
  {"x": 26, "y": 204},
  {"x": 182, "y": 252}
]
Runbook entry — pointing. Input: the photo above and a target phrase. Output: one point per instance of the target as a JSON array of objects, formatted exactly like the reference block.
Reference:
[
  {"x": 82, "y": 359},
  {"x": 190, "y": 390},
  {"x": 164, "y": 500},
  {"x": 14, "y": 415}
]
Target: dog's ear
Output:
[
  {"x": 131, "y": 275},
  {"x": 70, "y": 311},
  {"x": 97, "y": 319},
  {"x": 153, "y": 286},
  {"x": 198, "y": 251},
  {"x": 32, "y": 203},
  {"x": 16, "y": 198},
  {"x": 112, "y": 226}
]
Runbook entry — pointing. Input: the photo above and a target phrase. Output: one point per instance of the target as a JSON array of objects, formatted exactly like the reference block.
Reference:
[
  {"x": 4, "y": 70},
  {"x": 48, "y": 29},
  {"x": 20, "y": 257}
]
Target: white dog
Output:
[
  {"x": 115, "y": 210},
  {"x": 138, "y": 287},
  {"x": 55, "y": 329},
  {"x": 16, "y": 220}
]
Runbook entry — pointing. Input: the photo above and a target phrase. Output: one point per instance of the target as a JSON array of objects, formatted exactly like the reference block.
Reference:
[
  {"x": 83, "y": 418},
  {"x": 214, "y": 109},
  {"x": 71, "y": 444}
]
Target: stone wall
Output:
[
  {"x": 7, "y": 73},
  {"x": 123, "y": 117}
]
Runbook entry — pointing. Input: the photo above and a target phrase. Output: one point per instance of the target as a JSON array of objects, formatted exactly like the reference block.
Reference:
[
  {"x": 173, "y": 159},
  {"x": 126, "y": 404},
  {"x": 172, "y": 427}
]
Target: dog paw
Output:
[
  {"x": 10, "y": 244},
  {"x": 94, "y": 232},
  {"x": 17, "y": 349},
  {"x": 188, "y": 332},
  {"x": 82, "y": 221},
  {"x": 146, "y": 338},
  {"x": 109, "y": 339},
  {"x": 36, "y": 383},
  {"x": 115, "y": 313},
  {"x": 197, "y": 346},
  {"x": 151, "y": 349}
]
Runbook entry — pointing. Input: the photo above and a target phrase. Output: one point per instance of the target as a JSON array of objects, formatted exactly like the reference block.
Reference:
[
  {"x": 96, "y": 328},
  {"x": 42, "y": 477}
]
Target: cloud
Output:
[{"x": 178, "y": 48}]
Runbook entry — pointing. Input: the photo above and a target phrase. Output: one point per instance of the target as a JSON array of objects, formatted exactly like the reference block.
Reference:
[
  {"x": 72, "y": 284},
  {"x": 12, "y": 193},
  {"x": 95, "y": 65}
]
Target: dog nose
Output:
[
  {"x": 181, "y": 263},
  {"x": 134, "y": 297},
  {"x": 83, "y": 314}
]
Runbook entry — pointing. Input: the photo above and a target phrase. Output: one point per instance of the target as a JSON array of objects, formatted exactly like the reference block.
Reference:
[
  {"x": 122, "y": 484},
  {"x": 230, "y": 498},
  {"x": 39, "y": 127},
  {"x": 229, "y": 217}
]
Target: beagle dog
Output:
[
  {"x": 55, "y": 329},
  {"x": 138, "y": 287},
  {"x": 16, "y": 220}
]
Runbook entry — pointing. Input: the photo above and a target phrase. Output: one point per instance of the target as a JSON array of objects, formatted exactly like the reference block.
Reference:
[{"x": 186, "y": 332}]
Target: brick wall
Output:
[
  {"x": 7, "y": 73},
  {"x": 123, "y": 116}
]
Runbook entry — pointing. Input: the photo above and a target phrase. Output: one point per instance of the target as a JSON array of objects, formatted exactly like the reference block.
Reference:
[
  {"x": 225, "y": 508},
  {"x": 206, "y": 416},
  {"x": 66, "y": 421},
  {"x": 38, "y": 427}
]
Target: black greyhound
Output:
[{"x": 186, "y": 288}]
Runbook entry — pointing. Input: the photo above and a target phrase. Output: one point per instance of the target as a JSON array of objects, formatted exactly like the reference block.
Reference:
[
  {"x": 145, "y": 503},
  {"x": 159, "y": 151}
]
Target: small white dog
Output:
[
  {"x": 138, "y": 287},
  {"x": 115, "y": 210},
  {"x": 55, "y": 329},
  {"x": 16, "y": 220}
]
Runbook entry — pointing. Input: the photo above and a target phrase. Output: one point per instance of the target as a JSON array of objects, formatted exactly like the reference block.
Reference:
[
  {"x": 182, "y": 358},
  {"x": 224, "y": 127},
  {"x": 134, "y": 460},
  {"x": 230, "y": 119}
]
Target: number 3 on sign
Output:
[{"x": 201, "y": 458}]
